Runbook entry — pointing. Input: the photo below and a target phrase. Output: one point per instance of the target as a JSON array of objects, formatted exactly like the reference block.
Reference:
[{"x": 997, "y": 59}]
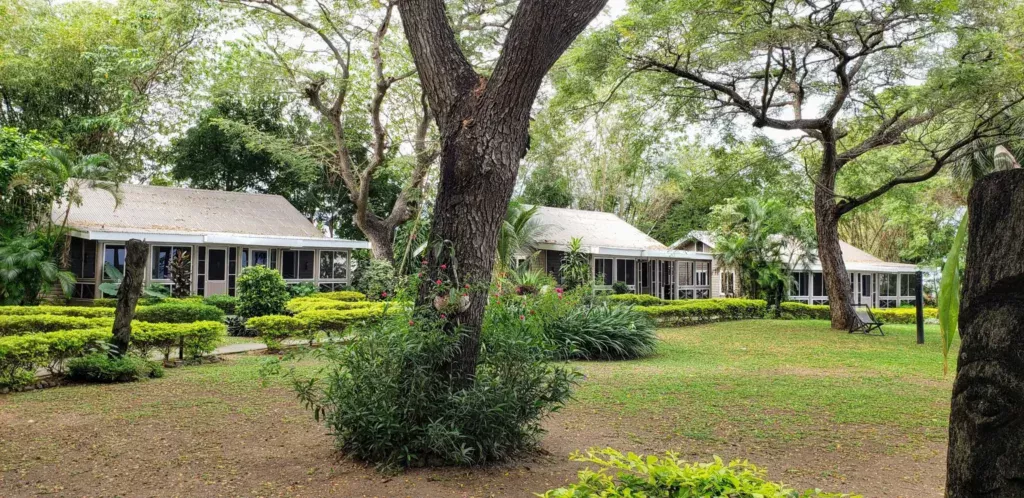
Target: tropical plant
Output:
[
  {"x": 181, "y": 275},
  {"x": 761, "y": 240},
  {"x": 68, "y": 174},
  {"x": 377, "y": 280},
  {"x": 115, "y": 276},
  {"x": 575, "y": 267},
  {"x": 28, "y": 268},
  {"x": 602, "y": 332},
  {"x": 529, "y": 281},
  {"x": 966, "y": 172},
  {"x": 517, "y": 236}
]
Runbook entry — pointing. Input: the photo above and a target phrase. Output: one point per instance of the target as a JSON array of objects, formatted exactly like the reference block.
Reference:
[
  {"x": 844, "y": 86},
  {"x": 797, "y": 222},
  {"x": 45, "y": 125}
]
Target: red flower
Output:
[
  {"x": 443, "y": 316},
  {"x": 521, "y": 317},
  {"x": 559, "y": 290},
  {"x": 465, "y": 286},
  {"x": 438, "y": 282},
  {"x": 444, "y": 267},
  {"x": 464, "y": 294},
  {"x": 411, "y": 323},
  {"x": 383, "y": 294}
]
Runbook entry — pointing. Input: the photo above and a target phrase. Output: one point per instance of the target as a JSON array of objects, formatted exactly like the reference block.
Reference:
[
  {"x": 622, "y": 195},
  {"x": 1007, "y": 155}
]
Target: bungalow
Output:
[
  {"x": 223, "y": 232},
  {"x": 876, "y": 283},
  {"x": 619, "y": 252}
]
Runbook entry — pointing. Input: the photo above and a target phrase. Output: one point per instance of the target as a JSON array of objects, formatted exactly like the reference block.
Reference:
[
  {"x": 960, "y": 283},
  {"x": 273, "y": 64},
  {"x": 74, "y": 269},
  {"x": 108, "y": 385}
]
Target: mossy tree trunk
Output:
[
  {"x": 986, "y": 420},
  {"x": 128, "y": 294}
]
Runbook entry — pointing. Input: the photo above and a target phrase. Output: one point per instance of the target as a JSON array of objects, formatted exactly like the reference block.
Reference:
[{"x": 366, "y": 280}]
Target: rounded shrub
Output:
[
  {"x": 377, "y": 279},
  {"x": 226, "y": 303},
  {"x": 639, "y": 299},
  {"x": 98, "y": 367},
  {"x": 345, "y": 295},
  {"x": 274, "y": 329},
  {"x": 300, "y": 304},
  {"x": 178, "y": 312},
  {"x": 261, "y": 291},
  {"x": 602, "y": 333},
  {"x": 389, "y": 399}
]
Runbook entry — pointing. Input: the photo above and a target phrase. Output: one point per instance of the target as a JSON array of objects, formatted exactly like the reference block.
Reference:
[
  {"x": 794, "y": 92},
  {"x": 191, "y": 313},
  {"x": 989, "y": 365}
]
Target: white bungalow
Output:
[
  {"x": 876, "y": 283},
  {"x": 223, "y": 232}
]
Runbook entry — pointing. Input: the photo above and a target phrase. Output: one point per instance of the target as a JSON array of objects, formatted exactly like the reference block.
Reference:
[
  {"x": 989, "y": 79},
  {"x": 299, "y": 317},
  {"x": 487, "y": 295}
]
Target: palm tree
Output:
[
  {"x": 67, "y": 174},
  {"x": 518, "y": 235},
  {"x": 27, "y": 268}
]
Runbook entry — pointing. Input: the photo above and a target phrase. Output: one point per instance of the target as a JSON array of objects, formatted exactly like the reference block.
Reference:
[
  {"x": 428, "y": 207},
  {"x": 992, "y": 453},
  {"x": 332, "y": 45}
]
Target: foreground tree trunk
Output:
[
  {"x": 484, "y": 125},
  {"x": 830, "y": 253},
  {"x": 128, "y": 294},
  {"x": 986, "y": 420}
]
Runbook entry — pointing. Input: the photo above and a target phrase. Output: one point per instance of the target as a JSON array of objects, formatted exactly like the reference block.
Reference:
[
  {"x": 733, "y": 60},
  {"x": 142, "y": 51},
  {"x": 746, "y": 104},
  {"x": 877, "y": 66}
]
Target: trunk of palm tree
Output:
[
  {"x": 986, "y": 419},
  {"x": 128, "y": 295}
]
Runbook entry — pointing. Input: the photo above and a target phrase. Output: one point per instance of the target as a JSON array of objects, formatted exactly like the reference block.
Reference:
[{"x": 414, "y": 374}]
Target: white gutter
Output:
[
  {"x": 633, "y": 253},
  {"x": 223, "y": 239}
]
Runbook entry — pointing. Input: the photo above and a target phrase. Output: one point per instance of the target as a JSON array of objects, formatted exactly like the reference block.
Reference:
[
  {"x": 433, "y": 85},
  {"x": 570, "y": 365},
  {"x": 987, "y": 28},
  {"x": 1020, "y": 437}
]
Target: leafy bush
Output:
[
  {"x": 697, "y": 311},
  {"x": 602, "y": 333},
  {"x": 650, "y": 476},
  {"x": 196, "y": 339},
  {"x": 21, "y": 355},
  {"x": 300, "y": 304},
  {"x": 274, "y": 329},
  {"x": 82, "y": 311},
  {"x": 636, "y": 299},
  {"x": 575, "y": 269},
  {"x": 338, "y": 321},
  {"x": 530, "y": 282},
  {"x": 29, "y": 324},
  {"x": 261, "y": 291},
  {"x": 226, "y": 303},
  {"x": 377, "y": 280},
  {"x": 99, "y": 367},
  {"x": 342, "y": 296},
  {"x": 236, "y": 327},
  {"x": 302, "y": 289},
  {"x": 800, "y": 311},
  {"x": 178, "y": 312},
  {"x": 389, "y": 399},
  {"x": 620, "y": 288}
]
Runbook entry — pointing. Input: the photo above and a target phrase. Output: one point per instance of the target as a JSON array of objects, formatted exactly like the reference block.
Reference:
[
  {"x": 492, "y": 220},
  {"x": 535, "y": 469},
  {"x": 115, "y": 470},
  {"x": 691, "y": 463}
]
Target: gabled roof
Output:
[
  {"x": 695, "y": 235},
  {"x": 597, "y": 229},
  {"x": 158, "y": 213}
]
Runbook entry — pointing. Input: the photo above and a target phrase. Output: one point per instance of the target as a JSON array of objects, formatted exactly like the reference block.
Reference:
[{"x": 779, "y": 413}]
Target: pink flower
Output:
[
  {"x": 444, "y": 267},
  {"x": 438, "y": 282},
  {"x": 443, "y": 316},
  {"x": 521, "y": 317},
  {"x": 411, "y": 323},
  {"x": 383, "y": 294},
  {"x": 465, "y": 286},
  {"x": 559, "y": 290},
  {"x": 424, "y": 261}
]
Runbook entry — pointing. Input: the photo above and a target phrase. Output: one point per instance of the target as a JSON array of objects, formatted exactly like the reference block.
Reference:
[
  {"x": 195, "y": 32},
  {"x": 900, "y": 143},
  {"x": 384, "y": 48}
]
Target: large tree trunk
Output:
[
  {"x": 986, "y": 419},
  {"x": 483, "y": 125},
  {"x": 128, "y": 294},
  {"x": 830, "y": 254},
  {"x": 381, "y": 237}
]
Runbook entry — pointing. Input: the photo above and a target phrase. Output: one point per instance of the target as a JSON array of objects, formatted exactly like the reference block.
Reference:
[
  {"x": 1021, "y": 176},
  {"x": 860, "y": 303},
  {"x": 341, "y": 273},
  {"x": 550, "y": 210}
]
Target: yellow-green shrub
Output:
[
  {"x": 179, "y": 312},
  {"x": 22, "y": 354},
  {"x": 342, "y": 296},
  {"x": 82, "y": 311},
  {"x": 801, "y": 311},
  {"x": 195, "y": 338},
  {"x": 273, "y": 329},
  {"x": 903, "y": 315},
  {"x": 696, "y": 311},
  {"x": 337, "y": 321},
  {"x": 33, "y": 324},
  {"x": 636, "y": 299},
  {"x": 300, "y": 304}
]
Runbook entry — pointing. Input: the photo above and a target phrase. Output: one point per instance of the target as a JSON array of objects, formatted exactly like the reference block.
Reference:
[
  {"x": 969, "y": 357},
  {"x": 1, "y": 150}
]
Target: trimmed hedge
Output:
[
  {"x": 801, "y": 311},
  {"x": 695, "y": 311},
  {"x": 300, "y": 304},
  {"x": 194, "y": 339},
  {"x": 225, "y": 302},
  {"x": 178, "y": 312},
  {"x": 273, "y": 329},
  {"x": 82, "y": 311},
  {"x": 111, "y": 302},
  {"x": 342, "y": 296},
  {"x": 636, "y": 299},
  {"x": 337, "y": 321},
  {"x": 33, "y": 324}
]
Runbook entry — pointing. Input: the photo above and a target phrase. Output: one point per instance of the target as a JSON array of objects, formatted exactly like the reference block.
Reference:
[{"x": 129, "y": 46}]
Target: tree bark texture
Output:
[
  {"x": 986, "y": 420},
  {"x": 128, "y": 294},
  {"x": 830, "y": 253},
  {"x": 484, "y": 126}
]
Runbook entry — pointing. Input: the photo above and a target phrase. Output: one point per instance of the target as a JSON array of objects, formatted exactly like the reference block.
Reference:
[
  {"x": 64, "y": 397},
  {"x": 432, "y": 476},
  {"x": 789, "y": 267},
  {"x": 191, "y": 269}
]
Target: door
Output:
[
  {"x": 217, "y": 272},
  {"x": 866, "y": 290}
]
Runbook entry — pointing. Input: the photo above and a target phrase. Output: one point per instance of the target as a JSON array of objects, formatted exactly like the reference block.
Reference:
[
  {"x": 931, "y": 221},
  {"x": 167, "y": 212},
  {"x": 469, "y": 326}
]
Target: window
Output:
[
  {"x": 887, "y": 285},
  {"x": 201, "y": 274},
  {"x": 297, "y": 265},
  {"x": 700, "y": 275},
  {"x": 260, "y": 257},
  {"x": 218, "y": 265},
  {"x": 626, "y": 271},
  {"x": 114, "y": 256},
  {"x": 686, "y": 273},
  {"x": 553, "y": 264},
  {"x": 232, "y": 269},
  {"x": 333, "y": 265},
  {"x": 801, "y": 284},
  {"x": 729, "y": 283},
  {"x": 819, "y": 285},
  {"x": 865, "y": 285},
  {"x": 908, "y": 285},
  {"x": 83, "y": 267},
  {"x": 162, "y": 258},
  {"x": 603, "y": 271},
  {"x": 701, "y": 247}
]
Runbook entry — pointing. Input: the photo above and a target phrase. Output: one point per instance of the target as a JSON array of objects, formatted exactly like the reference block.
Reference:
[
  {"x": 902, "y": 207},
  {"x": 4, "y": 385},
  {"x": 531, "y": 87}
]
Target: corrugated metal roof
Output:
[
  {"x": 150, "y": 209},
  {"x": 597, "y": 229}
]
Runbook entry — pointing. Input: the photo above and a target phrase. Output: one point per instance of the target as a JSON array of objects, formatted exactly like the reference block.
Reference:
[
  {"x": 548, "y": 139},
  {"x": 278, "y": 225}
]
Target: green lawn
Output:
[{"x": 780, "y": 380}]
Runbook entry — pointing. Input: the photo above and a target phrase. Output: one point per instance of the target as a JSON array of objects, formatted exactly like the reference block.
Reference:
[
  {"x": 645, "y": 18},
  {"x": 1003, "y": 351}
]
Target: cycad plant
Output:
[{"x": 518, "y": 235}]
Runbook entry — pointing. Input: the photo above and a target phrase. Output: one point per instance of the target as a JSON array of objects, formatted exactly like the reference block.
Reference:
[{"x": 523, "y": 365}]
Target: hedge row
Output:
[
  {"x": 300, "y": 304},
  {"x": 21, "y": 355},
  {"x": 273, "y": 329},
  {"x": 696, "y": 311},
  {"x": 30, "y": 324},
  {"x": 636, "y": 299},
  {"x": 341, "y": 296},
  {"x": 801, "y": 311},
  {"x": 164, "y": 312}
]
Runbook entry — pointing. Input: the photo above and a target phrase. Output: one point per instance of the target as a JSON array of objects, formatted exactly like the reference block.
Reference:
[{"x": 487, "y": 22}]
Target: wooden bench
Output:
[{"x": 867, "y": 323}]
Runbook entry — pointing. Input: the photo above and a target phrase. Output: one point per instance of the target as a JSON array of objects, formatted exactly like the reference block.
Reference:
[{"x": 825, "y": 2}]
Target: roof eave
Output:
[{"x": 222, "y": 239}]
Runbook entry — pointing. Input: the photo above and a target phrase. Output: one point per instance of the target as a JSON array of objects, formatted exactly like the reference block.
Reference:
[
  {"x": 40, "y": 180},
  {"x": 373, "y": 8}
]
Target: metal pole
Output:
[{"x": 920, "y": 307}]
